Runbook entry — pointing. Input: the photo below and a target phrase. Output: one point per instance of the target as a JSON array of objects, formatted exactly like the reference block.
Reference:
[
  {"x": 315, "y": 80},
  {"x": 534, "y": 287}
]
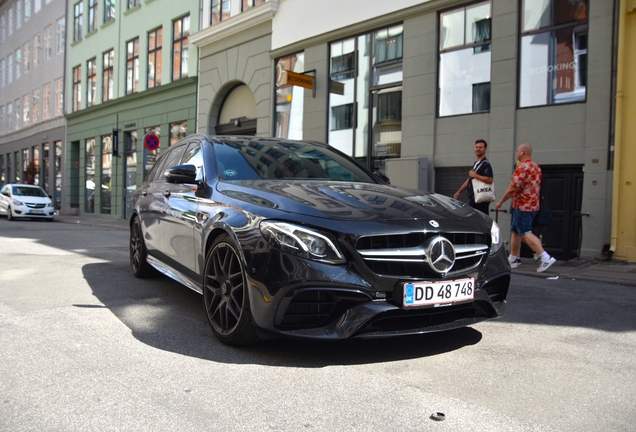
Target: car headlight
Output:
[
  {"x": 495, "y": 234},
  {"x": 17, "y": 203},
  {"x": 302, "y": 242}
]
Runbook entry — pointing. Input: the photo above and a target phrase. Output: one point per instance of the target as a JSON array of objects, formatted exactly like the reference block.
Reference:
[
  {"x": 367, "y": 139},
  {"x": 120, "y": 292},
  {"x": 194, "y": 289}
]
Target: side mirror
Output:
[{"x": 181, "y": 174}]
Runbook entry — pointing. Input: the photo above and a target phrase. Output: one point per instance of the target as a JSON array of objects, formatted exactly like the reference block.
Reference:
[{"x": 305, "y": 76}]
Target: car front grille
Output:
[
  {"x": 35, "y": 206},
  {"x": 404, "y": 255}
]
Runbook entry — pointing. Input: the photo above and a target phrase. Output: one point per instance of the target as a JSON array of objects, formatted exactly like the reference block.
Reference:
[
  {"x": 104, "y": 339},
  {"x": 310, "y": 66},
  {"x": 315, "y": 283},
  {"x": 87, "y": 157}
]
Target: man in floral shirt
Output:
[{"x": 525, "y": 188}]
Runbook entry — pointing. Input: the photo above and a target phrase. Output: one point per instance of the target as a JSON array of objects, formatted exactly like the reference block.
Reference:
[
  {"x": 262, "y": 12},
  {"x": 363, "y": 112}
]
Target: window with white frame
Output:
[
  {"x": 18, "y": 14},
  {"x": 155, "y": 41},
  {"x": 247, "y": 4},
  {"x": 2, "y": 73},
  {"x": 37, "y": 5},
  {"x": 109, "y": 10},
  {"x": 9, "y": 117},
  {"x": 26, "y": 49},
  {"x": 78, "y": 13},
  {"x": 132, "y": 66},
  {"x": 180, "y": 47},
  {"x": 46, "y": 101},
  {"x": 59, "y": 96},
  {"x": 10, "y": 68},
  {"x": 27, "y": 10},
  {"x": 465, "y": 60},
  {"x": 92, "y": 15},
  {"x": 91, "y": 82},
  {"x": 37, "y": 44},
  {"x": 17, "y": 107},
  {"x": 26, "y": 110},
  {"x": 553, "y": 52},
  {"x": 10, "y": 19},
  {"x": 3, "y": 27},
  {"x": 107, "y": 75},
  {"x": 220, "y": 11},
  {"x": 60, "y": 35},
  {"x": 35, "y": 116},
  {"x": 48, "y": 43},
  {"x": 77, "y": 88},
  {"x": 18, "y": 63}
]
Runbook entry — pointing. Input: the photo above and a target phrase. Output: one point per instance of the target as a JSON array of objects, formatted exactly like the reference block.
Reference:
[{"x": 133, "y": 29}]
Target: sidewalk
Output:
[{"x": 615, "y": 272}]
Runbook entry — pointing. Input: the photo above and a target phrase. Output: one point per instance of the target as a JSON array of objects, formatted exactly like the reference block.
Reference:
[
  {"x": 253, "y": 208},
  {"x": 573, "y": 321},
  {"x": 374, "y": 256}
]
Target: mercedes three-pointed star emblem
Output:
[{"x": 440, "y": 254}]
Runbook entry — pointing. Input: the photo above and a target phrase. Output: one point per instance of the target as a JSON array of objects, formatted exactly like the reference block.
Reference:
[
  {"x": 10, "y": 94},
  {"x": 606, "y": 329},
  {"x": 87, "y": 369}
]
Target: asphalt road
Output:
[{"x": 86, "y": 346}]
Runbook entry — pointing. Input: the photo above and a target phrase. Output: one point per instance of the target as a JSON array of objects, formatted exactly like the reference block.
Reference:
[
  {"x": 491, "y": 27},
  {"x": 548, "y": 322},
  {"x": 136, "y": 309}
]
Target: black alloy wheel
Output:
[
  {"x": 225, "y": 296},
  {"x": 138, "y": 252}
]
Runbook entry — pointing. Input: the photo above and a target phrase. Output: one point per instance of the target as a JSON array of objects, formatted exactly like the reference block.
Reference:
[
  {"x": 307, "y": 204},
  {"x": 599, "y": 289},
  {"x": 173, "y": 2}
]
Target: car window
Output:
[
  {"x": 193, "y": 155},
  {"x": 242, "y": 160},
  {"x": 29, "y": 191},
  {"x": 170, "y": 159}
]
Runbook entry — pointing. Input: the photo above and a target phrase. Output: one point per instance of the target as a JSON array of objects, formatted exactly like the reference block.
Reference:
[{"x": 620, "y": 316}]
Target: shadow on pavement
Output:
[{"x": 168, "y": 316}]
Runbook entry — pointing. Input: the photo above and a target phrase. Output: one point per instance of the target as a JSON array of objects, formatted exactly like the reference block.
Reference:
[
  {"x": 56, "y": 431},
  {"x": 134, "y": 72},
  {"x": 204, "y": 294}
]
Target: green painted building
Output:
[{"x": 131, "y": 91}]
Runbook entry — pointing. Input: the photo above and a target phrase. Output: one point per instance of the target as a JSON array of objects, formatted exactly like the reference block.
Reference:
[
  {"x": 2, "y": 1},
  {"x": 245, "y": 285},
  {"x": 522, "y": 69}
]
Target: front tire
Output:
[
  {"x": 10, "y": 214},
  {"x": 225, "y": 296},
  {"x": 138, "y": 252}
]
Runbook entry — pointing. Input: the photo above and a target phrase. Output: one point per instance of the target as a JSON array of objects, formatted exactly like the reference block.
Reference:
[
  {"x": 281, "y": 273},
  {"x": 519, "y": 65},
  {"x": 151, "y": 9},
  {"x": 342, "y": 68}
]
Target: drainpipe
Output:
[{"x": 618, "y": 103}]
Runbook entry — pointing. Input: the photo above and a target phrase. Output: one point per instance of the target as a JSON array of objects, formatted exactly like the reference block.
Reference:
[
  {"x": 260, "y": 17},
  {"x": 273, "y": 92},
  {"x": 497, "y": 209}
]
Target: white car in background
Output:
[{"x": 25, "y": 201}]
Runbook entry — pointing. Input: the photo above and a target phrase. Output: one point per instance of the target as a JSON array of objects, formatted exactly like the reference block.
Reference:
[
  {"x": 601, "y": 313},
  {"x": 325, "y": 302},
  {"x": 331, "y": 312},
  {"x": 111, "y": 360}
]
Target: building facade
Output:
[
  {"x": 32, "y": 125},
  {"x": 623, "y": 244},
  {"x": 131, "y": 80},
  {"x": 407, "y": 87}
]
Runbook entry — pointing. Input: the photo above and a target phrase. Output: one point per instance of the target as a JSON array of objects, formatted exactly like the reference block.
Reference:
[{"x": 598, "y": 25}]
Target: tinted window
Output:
[
  {"x": 274, "y": 160},
  {"x": 171, "y": 158}
]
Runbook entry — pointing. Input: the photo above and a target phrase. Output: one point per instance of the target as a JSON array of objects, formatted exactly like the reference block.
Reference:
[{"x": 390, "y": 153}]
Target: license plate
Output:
[
  {"x": 436, "y": 293},
  {"x": 36, "y": 212}
]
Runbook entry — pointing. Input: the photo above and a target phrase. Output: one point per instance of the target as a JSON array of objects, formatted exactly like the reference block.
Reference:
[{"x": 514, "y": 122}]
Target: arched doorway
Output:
[{"x": 237, "y": 115}]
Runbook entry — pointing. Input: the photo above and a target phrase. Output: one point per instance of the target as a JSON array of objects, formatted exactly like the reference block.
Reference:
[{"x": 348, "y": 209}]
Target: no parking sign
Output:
[{"x": 151, "y": 141}]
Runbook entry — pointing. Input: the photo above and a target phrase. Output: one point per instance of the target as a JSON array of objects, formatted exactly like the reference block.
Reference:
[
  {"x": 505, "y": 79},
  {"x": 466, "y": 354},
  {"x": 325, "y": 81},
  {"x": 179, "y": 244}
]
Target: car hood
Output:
[{"x": 342, "y": 200}]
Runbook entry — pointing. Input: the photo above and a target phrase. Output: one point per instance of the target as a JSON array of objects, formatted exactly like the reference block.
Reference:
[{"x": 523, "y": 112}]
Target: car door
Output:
[
  {"x": 153, "y": 205},
  {"x": 179, "y": 223}
]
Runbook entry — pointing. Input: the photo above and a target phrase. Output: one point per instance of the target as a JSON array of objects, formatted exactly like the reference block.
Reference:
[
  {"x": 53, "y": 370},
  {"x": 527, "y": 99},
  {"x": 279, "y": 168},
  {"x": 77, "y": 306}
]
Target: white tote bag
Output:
[{"x": 483, "y": 192}]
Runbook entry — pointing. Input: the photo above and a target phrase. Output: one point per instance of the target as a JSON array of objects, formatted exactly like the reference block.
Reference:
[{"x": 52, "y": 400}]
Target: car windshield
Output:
[
  {"x": 263, "y": 159},
  {"x": 28, "y": 191}
]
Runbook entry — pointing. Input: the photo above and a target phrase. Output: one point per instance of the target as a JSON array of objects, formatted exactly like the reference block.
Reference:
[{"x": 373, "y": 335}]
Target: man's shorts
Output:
[{"x": 522, "y": 221}]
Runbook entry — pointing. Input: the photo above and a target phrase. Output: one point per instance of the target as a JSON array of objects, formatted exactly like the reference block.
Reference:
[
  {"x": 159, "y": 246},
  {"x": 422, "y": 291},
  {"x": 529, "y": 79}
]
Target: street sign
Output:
[
  {"x": 151, "y": 141},
  {"x": 297, "y": 79}
]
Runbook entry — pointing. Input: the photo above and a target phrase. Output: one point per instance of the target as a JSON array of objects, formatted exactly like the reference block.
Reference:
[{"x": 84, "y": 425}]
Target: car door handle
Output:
[{"x": 166, "y": 193}]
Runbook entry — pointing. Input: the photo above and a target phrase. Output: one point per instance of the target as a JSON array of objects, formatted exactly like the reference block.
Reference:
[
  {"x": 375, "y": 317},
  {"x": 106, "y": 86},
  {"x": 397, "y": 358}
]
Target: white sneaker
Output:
[
  {"x": 516, "y": 263},
  {"x": 545, "y": 264}
]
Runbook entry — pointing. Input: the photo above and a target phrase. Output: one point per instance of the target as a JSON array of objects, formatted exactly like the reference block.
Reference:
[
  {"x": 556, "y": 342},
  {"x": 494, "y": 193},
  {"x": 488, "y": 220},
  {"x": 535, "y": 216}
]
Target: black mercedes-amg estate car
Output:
[{"x": 293, "y": 238}]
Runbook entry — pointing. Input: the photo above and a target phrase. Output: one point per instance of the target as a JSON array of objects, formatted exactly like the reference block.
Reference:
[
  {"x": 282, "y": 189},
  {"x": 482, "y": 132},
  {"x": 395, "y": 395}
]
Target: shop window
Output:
[
  {"x": 177, "y": 131},
  {"x": 289, "y": 99},
  {"x": 106, "y": 172},
  {"x": 465, "y": 60},
  {"x": 150, "y": 156},
  {"x": 366, "y": 103},
  {"x": 553, "y": 52},
  {"x": 90, "y": 176}
]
